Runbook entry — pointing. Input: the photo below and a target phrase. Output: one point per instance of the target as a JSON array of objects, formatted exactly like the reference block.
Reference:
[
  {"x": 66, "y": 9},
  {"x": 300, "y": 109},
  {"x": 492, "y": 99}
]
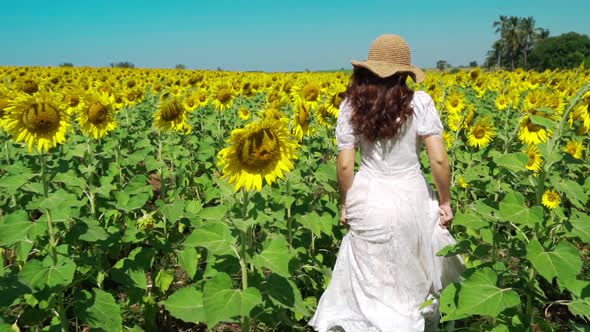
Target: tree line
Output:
[{"x": 523, "y": 44}]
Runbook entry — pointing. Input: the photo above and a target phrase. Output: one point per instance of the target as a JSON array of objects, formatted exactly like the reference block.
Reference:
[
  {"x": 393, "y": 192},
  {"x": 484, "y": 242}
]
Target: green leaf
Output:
[
  {"x": 480, "y": 295},
  {"x": 310, "y": 221},
  {"x": 164, "y": 279},
  {"x": 216, "y": 213},
  {"x": 130, "y": 271},
  {"x": 11, "y": 289},
  {"x": 461, "y": 247},
  {"x": 448, "y": 303},
  {"x": 513, "y": 208},
  {"x": 580, "y": 288},
  {"x": 564, "y": 262},
  {"x": 99, "y": 311},
  {"x": 173, "y": 211},
  {"x": 275, "y": 256},
  {"x": 573, "y": 191},
  {"x": 39, "y": 275},
  {"x": 14, "y": 228},
  {"x": 284, "y": 292},
  {"x": 188, "y": 259},
  {"x": 579, "y": 226},
  {"x": 215, "y": 236},
  {"x": 515, "y": 161},
  {"x": 186, "y": 304},
  {"x": 542, "y": 121},
  {"x": 92, "y": 231},
  {"x": 70, "y": 180},
  {"x": 470, "y": 220},
  {"x": 222, "y": 302},
  {"x": 580, "y": 308},
  {"x": 11, "y": 183}
]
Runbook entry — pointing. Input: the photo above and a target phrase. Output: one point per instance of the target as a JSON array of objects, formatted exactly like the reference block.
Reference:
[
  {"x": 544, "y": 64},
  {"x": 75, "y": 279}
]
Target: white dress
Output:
[{"x": 386, "y": 265}]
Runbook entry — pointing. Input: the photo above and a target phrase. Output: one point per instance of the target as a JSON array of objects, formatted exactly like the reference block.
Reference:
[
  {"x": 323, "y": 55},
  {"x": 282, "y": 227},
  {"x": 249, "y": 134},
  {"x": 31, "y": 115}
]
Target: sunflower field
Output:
[{"x": 181, "y": 200}]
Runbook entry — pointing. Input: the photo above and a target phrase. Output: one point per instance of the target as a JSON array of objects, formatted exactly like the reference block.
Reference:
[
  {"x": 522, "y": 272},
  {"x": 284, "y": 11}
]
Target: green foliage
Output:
[
  {"x": 568, "y": 50},
  {"x": 122, "y": 64}
]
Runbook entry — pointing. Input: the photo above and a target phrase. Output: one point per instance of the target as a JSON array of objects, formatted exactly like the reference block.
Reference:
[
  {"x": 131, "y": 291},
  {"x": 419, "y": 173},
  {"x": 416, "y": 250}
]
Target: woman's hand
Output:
[
  {"x": 446, "y": 215},
  {"x": 343, "y": 218}
]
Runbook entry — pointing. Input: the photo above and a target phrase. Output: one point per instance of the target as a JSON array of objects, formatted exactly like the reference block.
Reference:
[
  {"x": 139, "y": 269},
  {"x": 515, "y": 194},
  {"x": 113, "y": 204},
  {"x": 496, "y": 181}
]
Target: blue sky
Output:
[{"x": 260, "y": 34}]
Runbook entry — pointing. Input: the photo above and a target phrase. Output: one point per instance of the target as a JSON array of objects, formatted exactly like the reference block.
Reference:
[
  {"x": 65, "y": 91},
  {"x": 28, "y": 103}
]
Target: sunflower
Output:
[
  {"x": 37, "y": 119},
  {"x": 244, "y": 113},
  {"x": 262, "y": 150},
  {"x": 171, "y": 114},
  {"x": 6, "y": 97},
  {"x": 502, "y": 102},
  {"x": 535, "y": 158},
  {"x": 202, "y": 98},
  {"x": 481, "y": 133},
  {"x": 531, "y": 133},
  {"x": 223, "y": 97},
  {"x": 534, "y": 100},
  {"x": 308, "y": 93},
  {"x": 455, "y": 121},
  {"x": 455, "y": 102},
  {"x": 273, "y": 113},
  {"x": 550, "y": 199},
  {"x": 324, "y": 117},
  {"x": 462, "y": 183},
  {"x": 335, "y": 99},
  {"x": 300, "y": 121},
  {"x": 97, "y": 115},
  {"x": 449, "y": 139},
  {"x": 574, "y": 148},
  {"x": 581, "y": 113}
]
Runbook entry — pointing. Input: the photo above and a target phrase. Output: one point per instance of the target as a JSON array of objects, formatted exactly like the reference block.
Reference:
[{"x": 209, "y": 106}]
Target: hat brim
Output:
[{"x": 386, "y": 69}]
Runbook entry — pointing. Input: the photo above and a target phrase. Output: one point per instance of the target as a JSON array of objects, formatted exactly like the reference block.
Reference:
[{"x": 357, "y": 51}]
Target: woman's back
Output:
[{"x": 397, "y": 154}]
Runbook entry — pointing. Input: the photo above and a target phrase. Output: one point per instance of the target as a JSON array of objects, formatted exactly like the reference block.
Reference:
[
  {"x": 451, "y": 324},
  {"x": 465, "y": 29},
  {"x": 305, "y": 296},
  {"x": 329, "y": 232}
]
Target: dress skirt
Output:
[{"x": 386, "y": 267}]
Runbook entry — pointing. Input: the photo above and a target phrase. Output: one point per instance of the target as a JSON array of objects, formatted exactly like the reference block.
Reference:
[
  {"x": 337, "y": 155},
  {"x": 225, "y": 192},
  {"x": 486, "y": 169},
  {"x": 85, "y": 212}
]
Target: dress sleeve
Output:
[
  {"x": 428, "y": 120},
  {"x": 345, "y": 136}
]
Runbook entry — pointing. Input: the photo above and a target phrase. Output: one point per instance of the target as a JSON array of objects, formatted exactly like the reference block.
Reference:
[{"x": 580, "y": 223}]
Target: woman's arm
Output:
[
  {"x": 441, "y": 172},
  {"x": 345, "y": 171}
]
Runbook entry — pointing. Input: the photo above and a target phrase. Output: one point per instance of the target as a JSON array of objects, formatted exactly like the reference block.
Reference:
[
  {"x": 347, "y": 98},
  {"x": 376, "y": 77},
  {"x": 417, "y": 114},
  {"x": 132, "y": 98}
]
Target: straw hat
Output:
[{"x": 388, "y": 55}]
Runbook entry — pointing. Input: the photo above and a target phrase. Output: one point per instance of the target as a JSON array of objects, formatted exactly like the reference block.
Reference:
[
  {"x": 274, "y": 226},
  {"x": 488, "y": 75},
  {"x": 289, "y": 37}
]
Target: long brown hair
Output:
[{"x": 378, "y": 103}]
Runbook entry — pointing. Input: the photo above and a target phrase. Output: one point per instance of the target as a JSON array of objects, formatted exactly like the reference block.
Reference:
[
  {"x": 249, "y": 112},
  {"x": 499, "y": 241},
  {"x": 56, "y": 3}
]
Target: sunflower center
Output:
[
  {"x": 171, "y": 110},
  {"x": 41, "y": 119},
  {"x": 259, "y": 149},
  {"x": 30, "y": 87},
  {"x": 73, "y": 100},
  {"x": 532, "y": 159},
  {"x": 551, "y": 197},
  {"x": 454, "y": 103},
  {"x": 97, "y": 113},
  {"x": 203, "y": 97},
  {"x": 533, "y": 127},
  {"x": 224, "y": 95},
  {"x": 337, "y": 99},
  {"x": 479, "y": 133},
  {"x": 310, "y": 92}
]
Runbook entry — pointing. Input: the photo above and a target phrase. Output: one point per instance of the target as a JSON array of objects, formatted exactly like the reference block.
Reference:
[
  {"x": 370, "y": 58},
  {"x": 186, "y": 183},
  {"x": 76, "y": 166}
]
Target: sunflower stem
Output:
[
  {"x": 7, "y": 152},
  {"x": 161, "y": 170},
  {"x": 289, "y": 219},
  {"x": 89, "y": 162},
  {"x": 50, "y": 230},
  {"x": 243, "y": 255},
  {"x": 44, "y": 174}
]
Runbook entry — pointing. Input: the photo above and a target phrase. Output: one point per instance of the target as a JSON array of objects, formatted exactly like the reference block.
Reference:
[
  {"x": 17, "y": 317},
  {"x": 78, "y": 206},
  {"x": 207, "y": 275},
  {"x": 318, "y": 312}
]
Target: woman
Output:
[{"x": 386, "y": 267}]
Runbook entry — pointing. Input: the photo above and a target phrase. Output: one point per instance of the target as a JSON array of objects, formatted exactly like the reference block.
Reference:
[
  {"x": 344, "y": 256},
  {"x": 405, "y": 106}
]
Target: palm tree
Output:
[
  {"x": 542, "y": 33},
  {"x": 528, "y": 35},
  {"x": 495, "y": 54},
  {"x": 512, "y": 38},
  {"x": 501, "y": 27}
]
